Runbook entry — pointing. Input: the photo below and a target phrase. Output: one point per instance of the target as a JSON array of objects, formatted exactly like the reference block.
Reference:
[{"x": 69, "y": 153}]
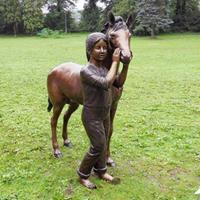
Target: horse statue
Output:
[{"x": 64, "y": 85}]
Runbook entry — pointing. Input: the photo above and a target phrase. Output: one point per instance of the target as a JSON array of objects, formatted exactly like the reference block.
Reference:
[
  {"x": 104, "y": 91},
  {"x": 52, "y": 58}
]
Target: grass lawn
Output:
[{"x": 156, "y": 140}]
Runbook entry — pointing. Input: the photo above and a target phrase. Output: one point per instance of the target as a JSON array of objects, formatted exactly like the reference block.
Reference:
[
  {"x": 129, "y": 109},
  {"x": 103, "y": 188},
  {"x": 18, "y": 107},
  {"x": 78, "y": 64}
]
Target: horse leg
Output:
[
  {"x": 72, "y": 107},
  {"x": 56, "y": 112},
  {"x": 110, "y": 161}
]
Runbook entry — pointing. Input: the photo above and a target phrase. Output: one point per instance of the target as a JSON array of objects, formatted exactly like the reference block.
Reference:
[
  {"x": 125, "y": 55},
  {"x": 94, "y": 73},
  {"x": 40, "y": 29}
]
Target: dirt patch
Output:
[
  {"x": 176, "y": 171},
  {"x": 69, "y": 190}
]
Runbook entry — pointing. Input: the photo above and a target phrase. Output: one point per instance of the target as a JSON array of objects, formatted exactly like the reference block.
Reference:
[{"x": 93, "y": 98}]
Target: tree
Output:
[
  {"x": 12, "y": 14},
  {"x": 124, "y": 7},
  {"x": 62, "y": 4},
  {"x": 2, "y": 23},
  {"x": 90, "y": 16},
  {"x": 59, "y": 20},
  {"x": 152, "y": 16},
  {"x": 32, "y": 15},
  {"x": 59, "y": 16},
  {"x": 103, "y": 13},
  {"x": 108, "y": 6},
  {"x": 186, "y": 15},
  {"x": 193, "y": 15},
  {"x": 21, "y": 15}
]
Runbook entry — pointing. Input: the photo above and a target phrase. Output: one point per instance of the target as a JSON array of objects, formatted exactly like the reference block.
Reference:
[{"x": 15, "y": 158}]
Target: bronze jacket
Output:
[{"x": 97, "y": 95}]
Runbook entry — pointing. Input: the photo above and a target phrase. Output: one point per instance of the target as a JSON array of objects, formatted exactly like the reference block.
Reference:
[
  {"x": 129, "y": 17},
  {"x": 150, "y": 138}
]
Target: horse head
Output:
[{"x": 117, "y": 31}]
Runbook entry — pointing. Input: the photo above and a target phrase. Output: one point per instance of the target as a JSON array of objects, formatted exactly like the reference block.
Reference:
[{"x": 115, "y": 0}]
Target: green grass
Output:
[{"x": 156, "y": 140}]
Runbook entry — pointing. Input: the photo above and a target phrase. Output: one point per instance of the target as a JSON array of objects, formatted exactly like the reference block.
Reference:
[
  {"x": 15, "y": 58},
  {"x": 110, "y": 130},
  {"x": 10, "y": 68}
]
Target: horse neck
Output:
[{"x": 108, "y": 61}]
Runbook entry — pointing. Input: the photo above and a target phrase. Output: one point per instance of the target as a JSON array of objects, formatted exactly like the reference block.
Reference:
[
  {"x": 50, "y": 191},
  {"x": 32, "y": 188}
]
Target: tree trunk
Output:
[
  {"x": 180, "y": 17},
  {"x": 15, "y": 29},
  {"x": 153, "y": 35},
  {"x": 59, "y": 5},
  {"x": 178, "y": 7},
  {"x": 65, "y": 22},
  {"x": 183, "y": 7}
]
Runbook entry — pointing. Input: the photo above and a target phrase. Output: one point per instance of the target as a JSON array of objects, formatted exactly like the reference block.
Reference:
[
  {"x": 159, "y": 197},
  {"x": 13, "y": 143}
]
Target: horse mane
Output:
[{"x": 118, "y": 24}]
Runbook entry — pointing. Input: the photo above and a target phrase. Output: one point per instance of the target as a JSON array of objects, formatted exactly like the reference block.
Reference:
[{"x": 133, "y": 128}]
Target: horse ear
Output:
[
  {"x": 111, "y": 18},
  {"x": 106, "y": 25},
  {"x": 129, "y": 20}
]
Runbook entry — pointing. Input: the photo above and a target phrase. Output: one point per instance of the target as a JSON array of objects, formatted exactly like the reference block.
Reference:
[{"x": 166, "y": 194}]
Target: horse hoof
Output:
[
  {"x": 110, "y": 162},
  {"x": 58, "y": 155},
  {"x": 68, "y": 144},
  {"x": 115, "y": 181}
]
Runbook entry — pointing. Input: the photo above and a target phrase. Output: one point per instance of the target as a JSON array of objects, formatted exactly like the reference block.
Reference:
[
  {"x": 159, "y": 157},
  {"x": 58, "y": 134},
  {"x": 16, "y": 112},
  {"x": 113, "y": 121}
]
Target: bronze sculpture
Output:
[
  {"x": 96, "y": 82},
  {"x": 64, "y": 86}
]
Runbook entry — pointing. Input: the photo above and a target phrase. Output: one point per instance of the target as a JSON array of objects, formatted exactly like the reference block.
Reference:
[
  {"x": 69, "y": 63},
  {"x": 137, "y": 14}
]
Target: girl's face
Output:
[{"x": 100, "y": 50}]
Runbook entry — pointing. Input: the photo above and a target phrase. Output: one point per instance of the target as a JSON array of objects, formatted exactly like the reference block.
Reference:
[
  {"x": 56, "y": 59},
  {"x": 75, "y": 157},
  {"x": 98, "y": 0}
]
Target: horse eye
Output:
[{"x": 112, "y": 35}]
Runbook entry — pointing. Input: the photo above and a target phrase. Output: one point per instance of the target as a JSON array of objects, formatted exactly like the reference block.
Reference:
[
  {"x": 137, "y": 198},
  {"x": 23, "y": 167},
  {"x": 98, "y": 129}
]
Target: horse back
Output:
[{"x": 64, "y": 83}]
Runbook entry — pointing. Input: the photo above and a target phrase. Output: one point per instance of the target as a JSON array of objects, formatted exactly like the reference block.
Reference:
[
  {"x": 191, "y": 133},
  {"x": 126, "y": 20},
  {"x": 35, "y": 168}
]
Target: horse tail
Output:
[{"x": 50, "y": 105}]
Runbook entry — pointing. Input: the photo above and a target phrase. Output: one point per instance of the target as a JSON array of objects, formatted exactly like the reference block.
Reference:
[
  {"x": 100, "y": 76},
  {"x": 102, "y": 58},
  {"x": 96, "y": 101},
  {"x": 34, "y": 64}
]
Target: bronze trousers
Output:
[{"x": 97, "y": 123}]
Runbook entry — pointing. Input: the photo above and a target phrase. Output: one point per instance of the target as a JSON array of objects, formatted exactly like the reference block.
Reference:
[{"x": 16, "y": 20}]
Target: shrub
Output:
[{"x": 46, "y": 33}]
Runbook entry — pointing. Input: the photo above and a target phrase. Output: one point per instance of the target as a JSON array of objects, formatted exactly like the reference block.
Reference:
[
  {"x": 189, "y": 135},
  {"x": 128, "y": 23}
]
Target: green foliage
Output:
[
  {"x": 2, "y": 23},
  {"x": 32, "y": 15},
  {"x": 56, "y": 20},
  {"x": 186, "y": 15},
  {"x": 48, "y": 33},
  {"x": 140, "y": 30},
  {"x": 22, "y": 15},
  {"x": 90, "y": 17},
  {"x": 156, "y": 131},
  {"x": 124, "y": 7},
  {"x": 12, "y": 14},
  {"x": 152, "y": 16},
  {"x": 104, "y": 13},
  {"x": 59, "y": 15},
  {"x": 60, "y": 5}
]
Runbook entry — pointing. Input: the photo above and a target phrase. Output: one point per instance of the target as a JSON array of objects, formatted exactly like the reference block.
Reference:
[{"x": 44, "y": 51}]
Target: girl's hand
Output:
[{"x": 116, "y": 55}]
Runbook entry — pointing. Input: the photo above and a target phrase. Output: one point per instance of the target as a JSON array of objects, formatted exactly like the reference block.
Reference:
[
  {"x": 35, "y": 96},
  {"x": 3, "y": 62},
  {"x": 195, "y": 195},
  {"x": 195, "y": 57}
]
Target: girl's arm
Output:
[
  {"x": 102, "y": 82},
  {"x": 114, "y": 67}
]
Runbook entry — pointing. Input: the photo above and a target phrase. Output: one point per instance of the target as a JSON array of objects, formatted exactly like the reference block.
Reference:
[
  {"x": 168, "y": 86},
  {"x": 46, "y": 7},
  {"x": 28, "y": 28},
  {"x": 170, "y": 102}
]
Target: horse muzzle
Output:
[{"x": 126, "y": 56}]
